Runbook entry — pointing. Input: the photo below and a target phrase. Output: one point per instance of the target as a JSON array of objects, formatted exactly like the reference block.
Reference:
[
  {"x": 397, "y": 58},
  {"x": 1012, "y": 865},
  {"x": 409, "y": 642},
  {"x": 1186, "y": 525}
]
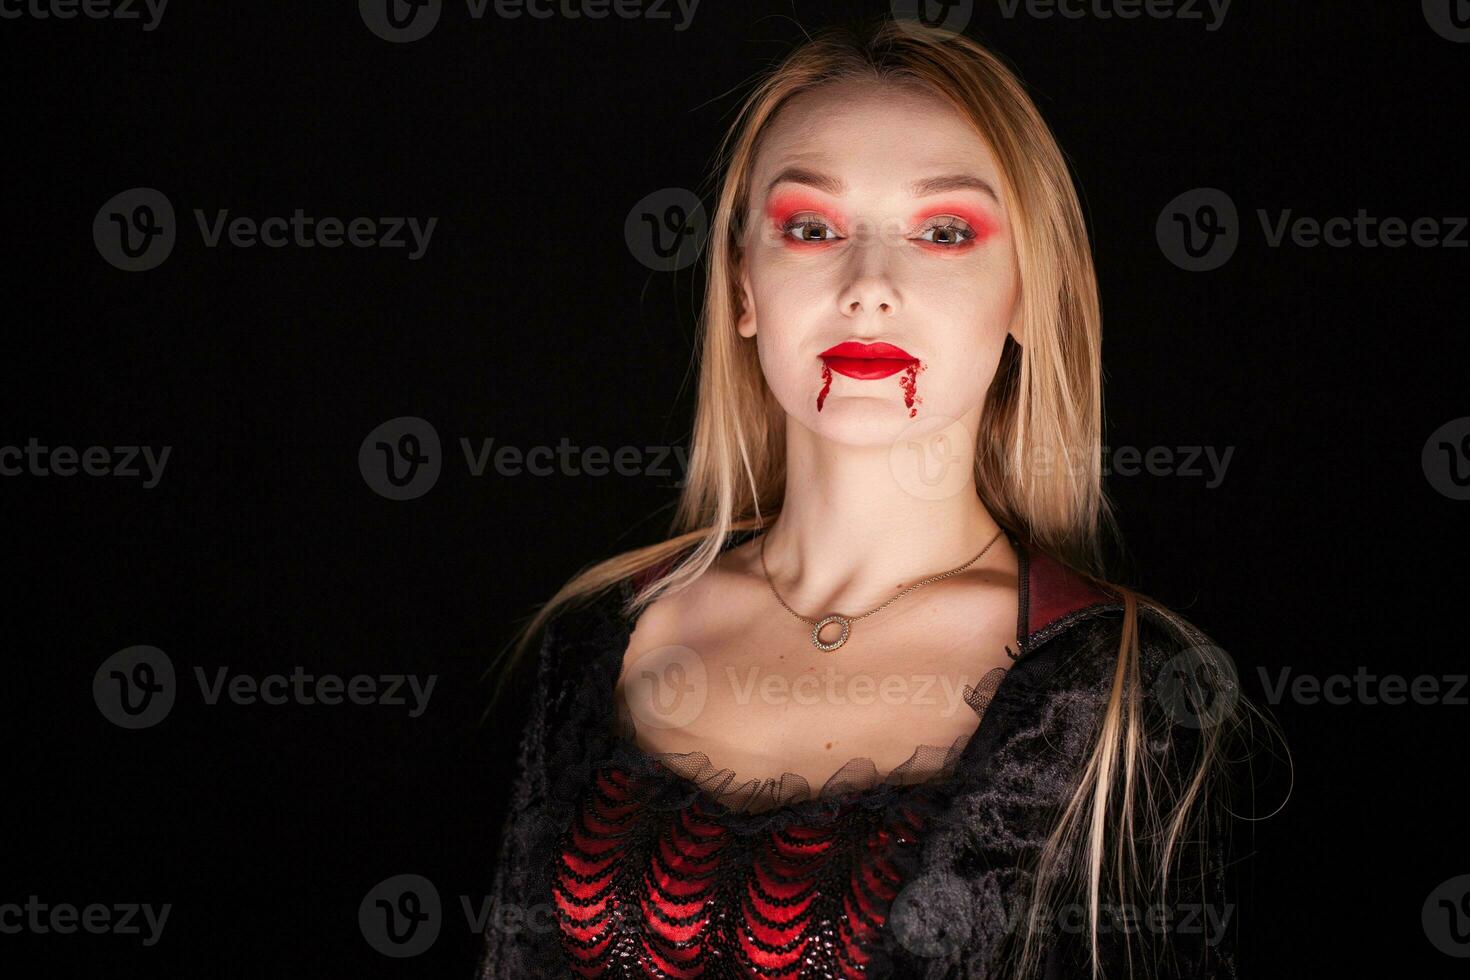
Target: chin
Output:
[{"x": 858, "y": 420}]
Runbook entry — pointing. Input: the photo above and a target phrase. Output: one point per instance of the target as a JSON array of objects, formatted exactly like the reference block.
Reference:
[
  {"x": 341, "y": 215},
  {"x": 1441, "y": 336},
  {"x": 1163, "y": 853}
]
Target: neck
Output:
[{"x": 861, "y": 523}]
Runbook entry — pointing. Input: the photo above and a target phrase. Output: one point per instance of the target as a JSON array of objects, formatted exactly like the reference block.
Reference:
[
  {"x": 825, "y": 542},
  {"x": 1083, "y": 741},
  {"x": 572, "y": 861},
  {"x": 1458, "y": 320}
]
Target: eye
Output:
[
  {"x": 947, "y": 231},
  {"x": 809, "y": 228}
]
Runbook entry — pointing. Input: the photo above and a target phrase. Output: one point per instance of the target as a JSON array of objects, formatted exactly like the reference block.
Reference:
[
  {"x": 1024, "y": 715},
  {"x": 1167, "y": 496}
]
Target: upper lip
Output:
[{"x": 878, "y": 351}]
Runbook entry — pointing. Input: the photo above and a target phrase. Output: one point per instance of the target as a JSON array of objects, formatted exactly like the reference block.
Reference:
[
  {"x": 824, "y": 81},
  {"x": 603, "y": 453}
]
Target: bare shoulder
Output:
[{"x": 722, "y": 597}]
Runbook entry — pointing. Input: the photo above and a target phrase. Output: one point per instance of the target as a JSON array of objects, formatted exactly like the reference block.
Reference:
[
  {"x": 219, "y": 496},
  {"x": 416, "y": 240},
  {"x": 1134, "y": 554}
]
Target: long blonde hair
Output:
[{"x": 1038, "y": 453}]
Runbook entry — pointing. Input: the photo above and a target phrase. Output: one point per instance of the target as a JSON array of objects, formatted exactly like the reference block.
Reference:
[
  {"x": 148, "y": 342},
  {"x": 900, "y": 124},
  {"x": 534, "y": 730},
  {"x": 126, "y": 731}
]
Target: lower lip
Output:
[{"x": 866, "y": 368}]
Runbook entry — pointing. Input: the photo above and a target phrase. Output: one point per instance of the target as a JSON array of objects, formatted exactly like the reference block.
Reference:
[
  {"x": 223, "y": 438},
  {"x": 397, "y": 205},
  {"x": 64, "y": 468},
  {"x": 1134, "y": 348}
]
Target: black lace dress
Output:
[{"x": 618, "y": 863}]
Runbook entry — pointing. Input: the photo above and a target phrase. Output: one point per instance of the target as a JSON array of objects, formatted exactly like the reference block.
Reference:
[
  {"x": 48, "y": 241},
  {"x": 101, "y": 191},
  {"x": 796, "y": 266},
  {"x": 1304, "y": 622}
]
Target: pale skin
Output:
[{"x": 862, "y": 261}]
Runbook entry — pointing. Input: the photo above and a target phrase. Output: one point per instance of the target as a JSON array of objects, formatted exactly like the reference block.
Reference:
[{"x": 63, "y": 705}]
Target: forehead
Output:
[{"x": 873, "y": 135}]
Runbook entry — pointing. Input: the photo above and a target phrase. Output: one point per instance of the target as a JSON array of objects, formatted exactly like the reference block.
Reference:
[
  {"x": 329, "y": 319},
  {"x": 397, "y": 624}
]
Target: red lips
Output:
[{"x": 866, "y": 362}]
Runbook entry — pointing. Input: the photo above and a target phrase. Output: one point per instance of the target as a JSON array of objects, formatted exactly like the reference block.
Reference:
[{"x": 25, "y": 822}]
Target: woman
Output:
[{"x": 983, "y": 768}]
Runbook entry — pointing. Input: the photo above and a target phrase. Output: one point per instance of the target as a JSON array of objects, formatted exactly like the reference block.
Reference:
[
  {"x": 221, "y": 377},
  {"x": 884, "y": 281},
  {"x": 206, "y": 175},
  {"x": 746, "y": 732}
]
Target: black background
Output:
[{"x": 1324, "y": 549}]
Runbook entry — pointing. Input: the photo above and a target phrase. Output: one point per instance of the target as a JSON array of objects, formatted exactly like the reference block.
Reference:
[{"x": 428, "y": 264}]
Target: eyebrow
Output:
[{"x": 919, "y": 188}]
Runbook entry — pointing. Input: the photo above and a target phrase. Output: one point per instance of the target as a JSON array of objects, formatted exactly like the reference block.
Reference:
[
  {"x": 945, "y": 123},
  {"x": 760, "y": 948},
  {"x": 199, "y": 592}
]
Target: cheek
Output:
[
  {"x": 973, "y": 303},
  {"x": 782, "y": 309},
  {"x": 788, "y": 300},
  {"x": 966, "y": 320}
]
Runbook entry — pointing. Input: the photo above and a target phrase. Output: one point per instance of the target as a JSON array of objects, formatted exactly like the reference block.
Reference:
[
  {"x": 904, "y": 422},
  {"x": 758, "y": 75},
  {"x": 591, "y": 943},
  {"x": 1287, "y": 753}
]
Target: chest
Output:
[{"x": 742, "y": 683}]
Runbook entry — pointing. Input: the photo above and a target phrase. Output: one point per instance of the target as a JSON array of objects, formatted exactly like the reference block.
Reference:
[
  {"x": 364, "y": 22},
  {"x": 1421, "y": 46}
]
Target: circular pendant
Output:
[{"x": 843, "y": 621}]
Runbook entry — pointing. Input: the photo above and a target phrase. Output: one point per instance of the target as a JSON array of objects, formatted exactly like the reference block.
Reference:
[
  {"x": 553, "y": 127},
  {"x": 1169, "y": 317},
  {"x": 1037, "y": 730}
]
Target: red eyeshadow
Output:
[
  {"x": 781, "y": 207},
  {"x": 983, "y": 224}
]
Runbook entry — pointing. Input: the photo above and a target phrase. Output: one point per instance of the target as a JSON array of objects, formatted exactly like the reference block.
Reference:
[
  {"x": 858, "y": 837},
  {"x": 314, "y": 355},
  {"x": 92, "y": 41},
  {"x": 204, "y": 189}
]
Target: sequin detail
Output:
[{"x": 646, "y": 891}]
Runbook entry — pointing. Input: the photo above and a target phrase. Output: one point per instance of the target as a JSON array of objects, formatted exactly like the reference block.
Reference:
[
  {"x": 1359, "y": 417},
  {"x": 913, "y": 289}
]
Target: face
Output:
[{"x": 875, "y": 219}]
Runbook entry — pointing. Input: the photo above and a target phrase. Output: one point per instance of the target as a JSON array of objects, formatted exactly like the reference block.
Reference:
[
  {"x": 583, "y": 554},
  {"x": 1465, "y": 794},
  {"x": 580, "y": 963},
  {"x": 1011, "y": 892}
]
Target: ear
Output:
[{"x": 746, "y": 321}]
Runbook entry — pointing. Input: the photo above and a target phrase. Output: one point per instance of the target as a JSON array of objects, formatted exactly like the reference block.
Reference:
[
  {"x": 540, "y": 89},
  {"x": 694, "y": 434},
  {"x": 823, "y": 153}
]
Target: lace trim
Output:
[
  {"x": 723, "y": 787},
  {"x": 661, "y": 788}
]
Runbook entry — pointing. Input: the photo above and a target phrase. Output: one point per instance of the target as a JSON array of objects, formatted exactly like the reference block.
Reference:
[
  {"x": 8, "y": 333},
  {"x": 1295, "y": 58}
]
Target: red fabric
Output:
[
  {"x": 1055, "y": 591},
  {"x": 683, "y": 894}
]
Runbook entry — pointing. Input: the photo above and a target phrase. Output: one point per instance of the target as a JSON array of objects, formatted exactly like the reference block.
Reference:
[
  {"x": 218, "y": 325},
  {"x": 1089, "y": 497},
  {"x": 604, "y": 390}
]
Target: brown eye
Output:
[
  {"x": 810, "y": 229},
  {"x": 948, "y": 231}
]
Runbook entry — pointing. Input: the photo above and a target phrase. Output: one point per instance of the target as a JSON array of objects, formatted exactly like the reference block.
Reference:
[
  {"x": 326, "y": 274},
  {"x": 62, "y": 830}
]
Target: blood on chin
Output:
[{"x": 908, "y": 382}]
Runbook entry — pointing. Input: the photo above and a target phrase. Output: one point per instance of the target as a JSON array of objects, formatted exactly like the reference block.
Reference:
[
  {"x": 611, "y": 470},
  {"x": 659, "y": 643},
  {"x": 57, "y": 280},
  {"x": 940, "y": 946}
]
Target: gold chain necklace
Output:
[{"x": 845, "y": 622}]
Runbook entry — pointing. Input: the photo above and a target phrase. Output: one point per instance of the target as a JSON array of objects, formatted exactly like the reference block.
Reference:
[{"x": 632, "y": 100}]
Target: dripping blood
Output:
[
  {"x": 909, "y": 383},
  {"x": 826, "y": 386}
]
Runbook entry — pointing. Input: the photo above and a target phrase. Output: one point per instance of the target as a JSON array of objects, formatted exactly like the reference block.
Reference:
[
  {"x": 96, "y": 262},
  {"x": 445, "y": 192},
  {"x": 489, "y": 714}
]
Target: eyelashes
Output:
[
  {"x": 812, "y": 229},
  {"x": 947, "y": 232},
  {"x": 956, "y": 232}
]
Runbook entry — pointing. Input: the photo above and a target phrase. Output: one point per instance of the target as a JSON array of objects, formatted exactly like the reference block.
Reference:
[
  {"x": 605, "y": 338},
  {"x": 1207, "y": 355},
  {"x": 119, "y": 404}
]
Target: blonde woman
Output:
[{"x": 872, "y": 710}]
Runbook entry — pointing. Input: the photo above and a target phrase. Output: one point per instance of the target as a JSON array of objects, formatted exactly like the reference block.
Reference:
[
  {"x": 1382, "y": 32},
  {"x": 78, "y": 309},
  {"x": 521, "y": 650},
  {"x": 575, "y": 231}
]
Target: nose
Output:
[{"x": 870, "y": 289}]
